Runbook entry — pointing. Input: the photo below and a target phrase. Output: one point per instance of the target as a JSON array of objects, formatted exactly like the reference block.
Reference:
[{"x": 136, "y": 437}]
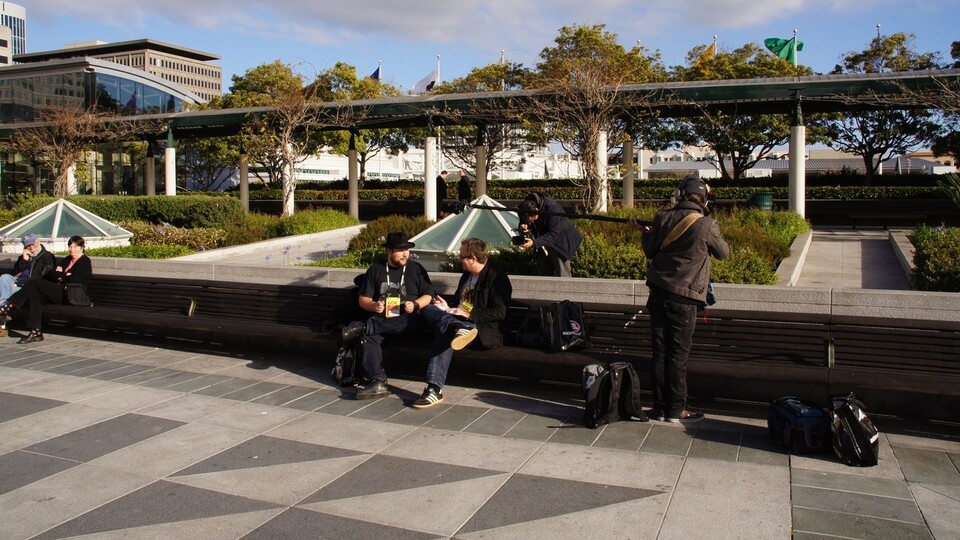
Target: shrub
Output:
[
  {"x": 181, "y": 211},
  {"x": 936, "y": 259},
  {"x": 598, "y": 259},
  {"x": 375, "y": 233},
  {"x": 312, "y": 221},
  {"x": 743, "y": 266},
  {"x": 196, "y": 239},
  {"x": 6, "y": 217},
  {"x": 352, "y": 259},
  {"x": 146, "y": 251},
  {"x": 253, "y": 228}
]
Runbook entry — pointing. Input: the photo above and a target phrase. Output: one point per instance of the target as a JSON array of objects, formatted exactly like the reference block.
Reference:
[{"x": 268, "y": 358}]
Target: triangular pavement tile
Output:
[
  {"x": 264, "y": 451},
  {"x": 280, "y": 484},
  {"x": 383, "y": 474},
  {"x": 546, "y": 497},
  {"x": 160, "y": 502},
  {"x": 300, "y": 523},
  {"x": 639, "y": 518},
  {"x": 438, "y": 509},
  {"x": 214, "y": 528}
]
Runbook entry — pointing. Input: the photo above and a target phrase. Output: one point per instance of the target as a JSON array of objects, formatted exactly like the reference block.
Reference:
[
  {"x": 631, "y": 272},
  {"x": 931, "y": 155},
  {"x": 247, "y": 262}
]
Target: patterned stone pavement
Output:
[{"x": 103, "y": 437}]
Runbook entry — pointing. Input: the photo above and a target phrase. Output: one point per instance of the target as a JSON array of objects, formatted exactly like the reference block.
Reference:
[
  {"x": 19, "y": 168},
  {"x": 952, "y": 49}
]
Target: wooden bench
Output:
[{"x": 899, "y": 366}]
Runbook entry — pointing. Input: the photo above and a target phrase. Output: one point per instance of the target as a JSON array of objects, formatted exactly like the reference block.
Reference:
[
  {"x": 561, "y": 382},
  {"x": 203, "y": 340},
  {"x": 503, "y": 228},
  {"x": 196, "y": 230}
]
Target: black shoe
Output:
[
  {"x": 686, "y": 417},
  {"x": 373, "y": 390},
  {"x": 352, "y": 331},
  {"x": 656, "y": 414},
  {"x": 462, "y": 336},
  {"x": 33, "y": 337},
  {"x": 430, "y": 397},
  {"x": 5, "y": 309}
]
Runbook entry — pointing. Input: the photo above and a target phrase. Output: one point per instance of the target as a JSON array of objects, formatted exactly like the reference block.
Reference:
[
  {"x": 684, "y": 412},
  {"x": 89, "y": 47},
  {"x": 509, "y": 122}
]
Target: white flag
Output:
[{"x": 427, "y": 83}]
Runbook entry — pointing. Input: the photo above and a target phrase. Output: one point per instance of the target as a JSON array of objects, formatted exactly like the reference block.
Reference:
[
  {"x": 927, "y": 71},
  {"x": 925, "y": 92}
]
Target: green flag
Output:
[{"x": 784, "y": 48}]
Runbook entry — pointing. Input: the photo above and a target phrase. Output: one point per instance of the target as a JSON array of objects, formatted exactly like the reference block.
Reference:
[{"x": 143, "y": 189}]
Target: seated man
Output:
[
  {"x": 483, "y": 297},
  {"x": 397, "y": 293},
  {"x": 33, "y": 263}
]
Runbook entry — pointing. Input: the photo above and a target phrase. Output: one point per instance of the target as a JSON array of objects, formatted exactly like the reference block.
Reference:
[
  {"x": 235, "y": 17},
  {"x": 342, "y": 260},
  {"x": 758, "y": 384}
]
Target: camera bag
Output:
[{"x": 803, "y": 427}]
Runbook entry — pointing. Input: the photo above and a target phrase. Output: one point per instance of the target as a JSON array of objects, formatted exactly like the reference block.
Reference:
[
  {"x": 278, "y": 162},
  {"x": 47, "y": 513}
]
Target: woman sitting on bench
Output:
[{"x": 74, "y": 268}]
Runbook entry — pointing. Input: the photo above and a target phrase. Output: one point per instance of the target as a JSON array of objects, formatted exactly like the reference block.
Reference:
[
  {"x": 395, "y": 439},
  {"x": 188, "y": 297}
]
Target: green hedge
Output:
[
  {"x": 180, "y": 211},
  {"x": 759, "y": 240},
  {"x": 198, "y": 239},
  {"x": 936, "y": 258},
  {"x": 146, "y": 251}
]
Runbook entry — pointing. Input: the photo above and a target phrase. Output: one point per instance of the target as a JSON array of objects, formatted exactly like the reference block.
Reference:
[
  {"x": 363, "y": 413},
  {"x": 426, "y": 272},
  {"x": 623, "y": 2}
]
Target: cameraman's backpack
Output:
[
  {"x": 611, "y": 392},
  {"x": 855, "y": 440},
  {"x": 802, "y": 427}
]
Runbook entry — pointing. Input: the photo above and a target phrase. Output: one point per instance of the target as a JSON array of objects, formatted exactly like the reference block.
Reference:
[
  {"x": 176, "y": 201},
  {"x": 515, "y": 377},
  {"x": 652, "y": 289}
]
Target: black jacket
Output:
[
  {"x": 555, "y": 230},
  {"x": 491, "y": 300},
  {"x": 81, "y": 271},
  {"x": 683, "y": 267},
  {"x": 43, "y": 264}
]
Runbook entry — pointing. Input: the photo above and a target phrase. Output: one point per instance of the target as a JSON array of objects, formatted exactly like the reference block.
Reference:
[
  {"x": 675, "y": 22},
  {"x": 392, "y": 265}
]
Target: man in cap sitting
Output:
[
  {"x": 396, "y": 293},
  {"x": 33, "y": 263}
]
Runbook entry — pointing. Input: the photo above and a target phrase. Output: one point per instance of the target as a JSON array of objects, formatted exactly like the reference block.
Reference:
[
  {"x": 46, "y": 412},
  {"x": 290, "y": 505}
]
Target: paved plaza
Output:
[{"x": 110, "y": 436}]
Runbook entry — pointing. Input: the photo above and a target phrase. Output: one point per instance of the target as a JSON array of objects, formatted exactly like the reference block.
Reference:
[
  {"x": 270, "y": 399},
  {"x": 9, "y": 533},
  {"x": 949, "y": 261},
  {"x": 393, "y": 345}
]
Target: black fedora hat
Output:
[{"x": 398, "y": 240}]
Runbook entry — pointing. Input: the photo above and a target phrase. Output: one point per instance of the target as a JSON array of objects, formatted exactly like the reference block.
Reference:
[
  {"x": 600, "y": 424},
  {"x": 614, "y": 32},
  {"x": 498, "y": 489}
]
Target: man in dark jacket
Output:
[
  {"x": 550, "y": 233},
  {"x": 679, "y": 245},
  {"x": 34, "y": 262},
  {"x": 441, "y": 192},
  {"x": 464, "y": 193},
  {"x": 482, "y": 298}
]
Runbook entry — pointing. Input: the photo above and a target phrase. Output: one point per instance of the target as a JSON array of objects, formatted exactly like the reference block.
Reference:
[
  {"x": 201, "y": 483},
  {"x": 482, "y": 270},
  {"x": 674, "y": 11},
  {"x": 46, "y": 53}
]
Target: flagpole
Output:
[
  {"x": 380, "y": 68},
  {"x": 794, "y": 48}
]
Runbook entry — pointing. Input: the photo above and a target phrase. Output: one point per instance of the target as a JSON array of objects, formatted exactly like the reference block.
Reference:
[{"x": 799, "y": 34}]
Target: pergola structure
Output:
[{"x": 783, "y": 95}]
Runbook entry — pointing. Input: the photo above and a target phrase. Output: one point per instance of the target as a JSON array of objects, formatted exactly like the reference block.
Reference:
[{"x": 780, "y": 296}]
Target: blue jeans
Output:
[
  {"x": 441, "y": 354},
  {"x": 8, "y": 286},
  {"x": 671, "y": 334}
]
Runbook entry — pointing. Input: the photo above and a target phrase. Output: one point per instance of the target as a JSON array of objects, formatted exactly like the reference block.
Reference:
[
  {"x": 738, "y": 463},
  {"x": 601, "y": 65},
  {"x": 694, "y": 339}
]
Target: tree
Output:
[
  {"x": 738, "y": 141},
  {"x": 459, "y": 142},
  {"x": 65, "y": 133},
  {"x": 340, "y": 83},
  {"x": 946, "y": 97},
  {"x": 209, "y": 162},
  {"x": 879, "y": 135},
  {"x": 581, "y": 76},
  {"x": 281, "y": 137}
]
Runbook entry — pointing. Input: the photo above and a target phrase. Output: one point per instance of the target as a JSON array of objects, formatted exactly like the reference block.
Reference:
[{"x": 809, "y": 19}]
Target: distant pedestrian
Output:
[
  {"x": 441, "y": 192},
  {"x": 463, "y": 188}
]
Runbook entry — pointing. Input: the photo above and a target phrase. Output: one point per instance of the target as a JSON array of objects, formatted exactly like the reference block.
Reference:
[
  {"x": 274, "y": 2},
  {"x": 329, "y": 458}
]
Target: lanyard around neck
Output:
[{"x": 403, "y": 272}]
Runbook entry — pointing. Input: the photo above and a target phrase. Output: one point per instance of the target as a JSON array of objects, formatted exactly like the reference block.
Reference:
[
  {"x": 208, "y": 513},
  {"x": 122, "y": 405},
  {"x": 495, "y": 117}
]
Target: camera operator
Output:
[
  {"x": 548, "y": 231},
  {"x": 679, "y": 245}
]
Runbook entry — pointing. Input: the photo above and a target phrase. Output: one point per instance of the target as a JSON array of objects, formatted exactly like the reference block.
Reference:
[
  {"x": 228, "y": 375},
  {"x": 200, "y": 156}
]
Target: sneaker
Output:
[
  {"x": 656, "y": 414},
  {"x": 430, "y": 397},
  {"x": 33, "y": 337},
  {"x": 353, "y": 330},
  {"x": 4, "y": 332},
  {"x": 5, "y": 309},
  {"x": 686, "y": 417},
  {"x": 462, "y": 337},
  {"x": 373, "y": 390}
]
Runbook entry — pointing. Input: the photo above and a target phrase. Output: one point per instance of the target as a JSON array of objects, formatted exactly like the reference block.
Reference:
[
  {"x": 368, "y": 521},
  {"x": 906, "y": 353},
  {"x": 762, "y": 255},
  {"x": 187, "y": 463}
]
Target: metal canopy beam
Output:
[{"x": 819, "y": 93}]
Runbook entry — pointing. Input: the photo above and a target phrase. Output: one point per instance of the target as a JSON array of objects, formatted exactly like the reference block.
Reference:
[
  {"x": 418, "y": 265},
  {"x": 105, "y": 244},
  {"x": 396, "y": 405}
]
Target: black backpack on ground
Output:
[
  {"x": 801, "y": 426},
  {"x": 611, "y": 392},
  {"x": 855, "y": 439},
  {"x": 347, "y": 370}
]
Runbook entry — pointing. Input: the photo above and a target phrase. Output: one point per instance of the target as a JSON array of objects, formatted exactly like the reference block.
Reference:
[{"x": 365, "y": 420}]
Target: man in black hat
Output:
[
  {"x": 395, "y": 293},
  {"x": 550, "y": 233},
  {"x": 679, "y": 245}
]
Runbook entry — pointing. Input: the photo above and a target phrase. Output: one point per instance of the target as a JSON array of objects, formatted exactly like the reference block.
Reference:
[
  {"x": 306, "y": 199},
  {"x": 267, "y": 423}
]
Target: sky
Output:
[{"x": 407, "y": 37}]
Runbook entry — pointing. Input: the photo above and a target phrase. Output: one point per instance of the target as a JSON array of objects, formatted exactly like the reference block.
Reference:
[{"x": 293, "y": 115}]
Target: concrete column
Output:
[
  {"x": 244, "y": 182},
  {"x": 353, "y": 179},
  {"x": 481, "y": 156},
  {"x": 106, "y": 177},
  {"x": 601, "y": 166},
  {"x": 429, "y": 177},
  {"x": 641, "y": 175},
  {"x": 150, "y": 176},
  {"x": 170, "y": 171},
  {"x": 798, "y": 170},
  {"x": 628, "y": 174},
  {"x": 72, "y": 180}
]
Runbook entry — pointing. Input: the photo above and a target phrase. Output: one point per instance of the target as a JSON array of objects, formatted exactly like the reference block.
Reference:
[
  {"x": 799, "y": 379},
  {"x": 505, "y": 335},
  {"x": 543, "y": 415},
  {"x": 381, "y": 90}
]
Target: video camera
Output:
[{"x": 521, "y": 238}]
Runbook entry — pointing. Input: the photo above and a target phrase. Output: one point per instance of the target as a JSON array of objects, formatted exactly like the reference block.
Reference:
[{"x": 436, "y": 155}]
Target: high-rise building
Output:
[
  {"x": 187, "y": 68},
  {"x": 14, "y": 17}
]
